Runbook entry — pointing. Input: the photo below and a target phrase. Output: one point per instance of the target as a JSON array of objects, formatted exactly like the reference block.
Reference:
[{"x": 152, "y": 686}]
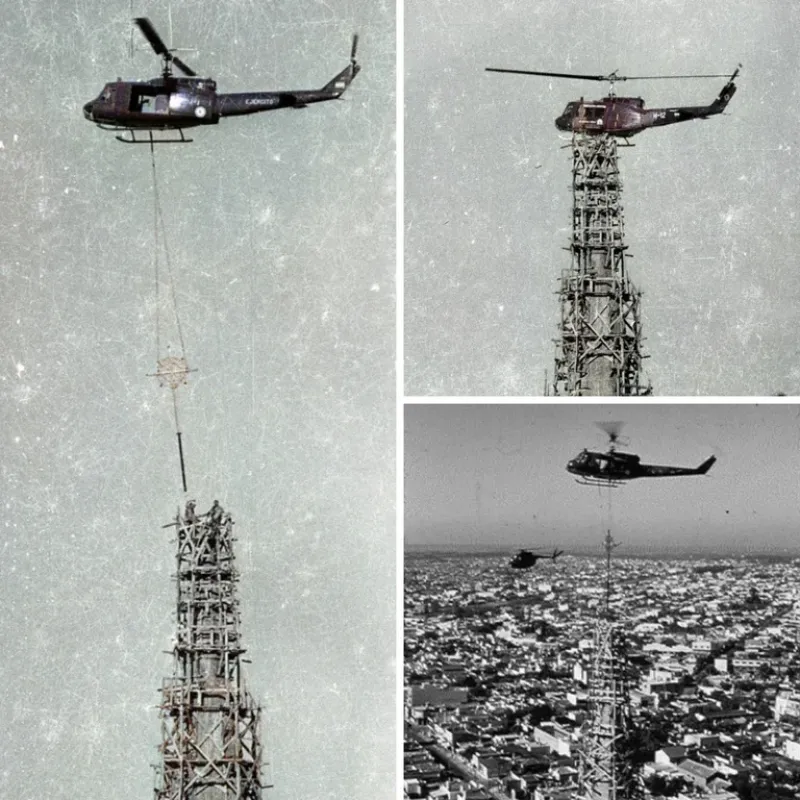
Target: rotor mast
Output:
[{"x": 157, "y": 43}]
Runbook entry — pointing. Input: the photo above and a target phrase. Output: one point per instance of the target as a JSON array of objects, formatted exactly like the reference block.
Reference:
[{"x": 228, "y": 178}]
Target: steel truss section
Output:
[
  {"x": 211, "y": 748},
  {"x": 599, "y": 350},
  {"x": 607, "y": 768}
]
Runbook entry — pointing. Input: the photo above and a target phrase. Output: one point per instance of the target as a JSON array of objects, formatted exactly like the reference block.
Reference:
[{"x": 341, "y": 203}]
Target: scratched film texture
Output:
[
  {"x": 281, "y": 230},
  {"x": 710, "y": 206}
]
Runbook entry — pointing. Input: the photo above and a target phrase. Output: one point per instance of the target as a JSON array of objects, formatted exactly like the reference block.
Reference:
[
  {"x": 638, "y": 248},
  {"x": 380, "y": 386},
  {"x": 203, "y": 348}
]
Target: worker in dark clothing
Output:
[
  {"x": 215, "y": 513},
  {"x": 189, "y": 515}
]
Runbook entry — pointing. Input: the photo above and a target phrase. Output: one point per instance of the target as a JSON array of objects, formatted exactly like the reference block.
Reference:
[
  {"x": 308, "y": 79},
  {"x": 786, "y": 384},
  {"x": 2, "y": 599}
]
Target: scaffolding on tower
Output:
[
  {"x": 599, "y": 352},
  {"x": 210, "y": 724},
  {"x": 607, "y": 768}
]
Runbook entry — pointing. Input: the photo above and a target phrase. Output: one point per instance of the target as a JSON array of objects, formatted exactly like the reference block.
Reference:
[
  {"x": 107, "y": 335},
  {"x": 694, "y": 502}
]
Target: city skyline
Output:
[{"x": 495, "y": 475}]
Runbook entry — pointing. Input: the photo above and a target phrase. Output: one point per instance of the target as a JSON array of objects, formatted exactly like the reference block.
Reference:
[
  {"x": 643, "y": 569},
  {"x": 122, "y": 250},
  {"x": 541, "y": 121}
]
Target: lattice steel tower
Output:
[
  {"x": 599, "y": 350},
  {"x": 607, "y": 769},
  {"x": 210, "y": 724}
]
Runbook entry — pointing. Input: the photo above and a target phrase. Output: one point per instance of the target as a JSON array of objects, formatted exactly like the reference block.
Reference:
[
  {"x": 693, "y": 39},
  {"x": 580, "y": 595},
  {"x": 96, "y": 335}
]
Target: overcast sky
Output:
[
  {"x": 281, "y": 228},
  {"x": 496, "y": 475},
  {"x": 710, "y": 207}
]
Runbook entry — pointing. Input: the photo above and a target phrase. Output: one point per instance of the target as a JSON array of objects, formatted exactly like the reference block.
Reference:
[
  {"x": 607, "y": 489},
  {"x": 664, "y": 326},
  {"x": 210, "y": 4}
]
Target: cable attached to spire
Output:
[{"x": 172, "y": 371}]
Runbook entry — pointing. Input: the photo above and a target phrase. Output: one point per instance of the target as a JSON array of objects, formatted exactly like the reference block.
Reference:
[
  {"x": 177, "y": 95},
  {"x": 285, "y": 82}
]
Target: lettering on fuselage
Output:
[{"x": 261, "y": 101}]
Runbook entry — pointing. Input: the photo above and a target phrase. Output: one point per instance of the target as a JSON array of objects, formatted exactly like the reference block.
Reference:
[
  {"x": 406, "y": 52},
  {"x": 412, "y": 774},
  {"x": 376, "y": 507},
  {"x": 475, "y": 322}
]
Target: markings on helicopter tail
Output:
[
  {"x": 261, "y": 101},
  {"x": 339, "y": 85}
]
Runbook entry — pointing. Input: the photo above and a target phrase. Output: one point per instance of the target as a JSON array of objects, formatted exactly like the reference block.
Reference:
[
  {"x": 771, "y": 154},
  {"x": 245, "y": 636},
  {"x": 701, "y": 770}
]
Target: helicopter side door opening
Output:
[
  {"x": 590, "y": 117},
  {"x": 149, "y": 100}
]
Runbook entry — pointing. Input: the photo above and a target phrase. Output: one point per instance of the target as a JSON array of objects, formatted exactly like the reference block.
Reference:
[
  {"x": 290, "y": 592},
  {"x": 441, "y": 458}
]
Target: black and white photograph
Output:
[
  {"x": 600, "y": 198},
  {"x": 198, "y": 398},
  {"x": 601, "y": 601}
]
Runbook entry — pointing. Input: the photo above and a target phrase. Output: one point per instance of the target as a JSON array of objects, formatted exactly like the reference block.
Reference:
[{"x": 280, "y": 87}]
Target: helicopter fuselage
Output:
[
  {"x": 626, "y": 116},
  {"x": 526, "y": 559},
  {"x": 174, "y": 103},
  {"x": 614, "y": 467}
]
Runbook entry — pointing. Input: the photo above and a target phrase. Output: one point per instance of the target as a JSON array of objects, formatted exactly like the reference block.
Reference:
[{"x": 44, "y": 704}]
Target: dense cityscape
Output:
[{"x": 498, "y": 696}]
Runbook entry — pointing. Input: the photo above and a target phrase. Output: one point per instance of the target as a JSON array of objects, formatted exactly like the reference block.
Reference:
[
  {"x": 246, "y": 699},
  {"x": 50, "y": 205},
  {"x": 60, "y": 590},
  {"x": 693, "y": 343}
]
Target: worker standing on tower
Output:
[
  {"x": 189, "y": 514},
  {"x": 215, "y": 514}
]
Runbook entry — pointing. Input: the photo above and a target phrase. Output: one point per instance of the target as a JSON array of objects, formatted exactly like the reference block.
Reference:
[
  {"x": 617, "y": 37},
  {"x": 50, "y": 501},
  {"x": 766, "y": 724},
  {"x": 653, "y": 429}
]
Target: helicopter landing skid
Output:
[
  {"x": 599, "y": 482},
  {"x": 129, "y": 137}
]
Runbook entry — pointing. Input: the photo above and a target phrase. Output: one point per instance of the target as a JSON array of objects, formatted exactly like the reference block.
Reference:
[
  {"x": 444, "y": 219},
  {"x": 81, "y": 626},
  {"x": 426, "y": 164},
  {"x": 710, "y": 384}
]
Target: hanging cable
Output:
[
  {"x": 159, "y": 226},
  {"x": 172, "y": 370}
]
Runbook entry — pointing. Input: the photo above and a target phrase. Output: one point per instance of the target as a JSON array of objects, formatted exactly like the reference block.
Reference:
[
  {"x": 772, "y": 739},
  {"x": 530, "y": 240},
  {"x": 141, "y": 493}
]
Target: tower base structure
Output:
[
  {"x": 599, "y": 349},
  {"x": 210, "y": 724}
]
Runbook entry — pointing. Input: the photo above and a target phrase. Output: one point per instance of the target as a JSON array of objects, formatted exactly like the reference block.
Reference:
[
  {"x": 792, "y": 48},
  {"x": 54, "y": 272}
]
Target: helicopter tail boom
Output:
[{"x": 230, "y": 105}]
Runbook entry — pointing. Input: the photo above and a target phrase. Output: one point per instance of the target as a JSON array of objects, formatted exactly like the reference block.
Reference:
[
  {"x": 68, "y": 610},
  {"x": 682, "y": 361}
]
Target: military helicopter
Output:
[
  {"x": 526, "y": 559},
  {"x": 625, "y": 116},
  {"x": 612, "y": 468},
  {"x": 172, "y": 103}
]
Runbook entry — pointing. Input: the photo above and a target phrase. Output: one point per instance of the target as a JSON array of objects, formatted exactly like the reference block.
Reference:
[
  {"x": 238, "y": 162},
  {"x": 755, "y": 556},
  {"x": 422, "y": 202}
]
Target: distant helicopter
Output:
[
  {"x": 526, "y": 559},
  {"x": 172, "y": 104},
  {"x": 612, "y": 468},
  {"x": 626, "y": 116}
]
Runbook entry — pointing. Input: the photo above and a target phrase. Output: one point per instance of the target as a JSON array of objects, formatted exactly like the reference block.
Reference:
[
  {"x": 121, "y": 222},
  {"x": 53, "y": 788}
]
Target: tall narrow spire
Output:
[
  {"x": 607, "y": 768},
  {"x": 211, "y": 748},
  {"x": 599, "y": 349}
]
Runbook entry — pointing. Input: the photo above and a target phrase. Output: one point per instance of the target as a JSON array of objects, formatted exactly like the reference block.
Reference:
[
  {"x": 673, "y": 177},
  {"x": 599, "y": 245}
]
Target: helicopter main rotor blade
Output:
[
  {"x": 611, "y": 429},
  {"x": 157, "y": 43},
  {"x": 664, "y": 77},
  {"x": 181, "y": 66},
  {"x": 611, "y": 77},
  {"x": 550, "y": 74},
  {"x": 150, "y": 33}
]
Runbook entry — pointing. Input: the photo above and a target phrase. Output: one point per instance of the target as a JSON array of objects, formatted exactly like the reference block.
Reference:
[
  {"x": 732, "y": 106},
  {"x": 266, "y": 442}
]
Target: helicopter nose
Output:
[{"x": 87, "y": 111}]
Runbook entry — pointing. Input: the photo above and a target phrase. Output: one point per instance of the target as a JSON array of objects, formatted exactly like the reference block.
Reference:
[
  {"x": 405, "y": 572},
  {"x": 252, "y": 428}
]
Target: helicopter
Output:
[
  {"x": 526, "y": 559},
  {"x": 612, "y": 468},
  {"x": 172, "y": 103},
  {"x": 626, "y": 116}
]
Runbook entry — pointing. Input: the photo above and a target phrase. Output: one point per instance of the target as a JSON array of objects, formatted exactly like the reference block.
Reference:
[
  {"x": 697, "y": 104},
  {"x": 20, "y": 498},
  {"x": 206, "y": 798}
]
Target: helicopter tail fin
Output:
[
  {"x": 556, "y": 554},
  {"x": 706, "y": 465},
  {"x": 337, "y": 85},
  {"x": 721, "y": 103}
]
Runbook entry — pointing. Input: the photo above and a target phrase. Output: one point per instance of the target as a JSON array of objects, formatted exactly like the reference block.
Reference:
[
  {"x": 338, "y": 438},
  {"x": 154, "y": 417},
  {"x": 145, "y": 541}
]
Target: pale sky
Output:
[
  {"x": 710, "y": 207},
  {"x": 282, "y": 232},
  {"x": 495, "y": 475}
]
